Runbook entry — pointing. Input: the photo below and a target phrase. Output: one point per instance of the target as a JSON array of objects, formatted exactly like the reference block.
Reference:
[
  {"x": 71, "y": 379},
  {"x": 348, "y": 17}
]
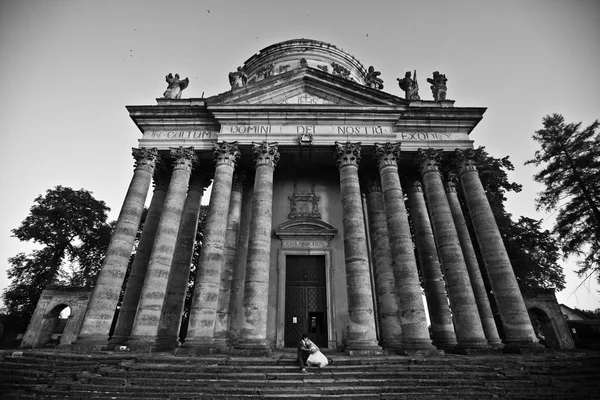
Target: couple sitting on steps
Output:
[{"x": 309, "y": 354}]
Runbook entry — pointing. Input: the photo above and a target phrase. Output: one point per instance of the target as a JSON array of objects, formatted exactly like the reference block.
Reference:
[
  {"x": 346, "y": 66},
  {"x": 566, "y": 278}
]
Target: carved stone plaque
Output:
[{"x": 304, "y": 205}]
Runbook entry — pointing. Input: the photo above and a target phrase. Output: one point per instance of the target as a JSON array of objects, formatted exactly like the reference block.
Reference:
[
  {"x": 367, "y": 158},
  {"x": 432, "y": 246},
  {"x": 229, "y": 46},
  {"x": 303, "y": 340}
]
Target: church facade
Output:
[{"x": 334, "y": 207}]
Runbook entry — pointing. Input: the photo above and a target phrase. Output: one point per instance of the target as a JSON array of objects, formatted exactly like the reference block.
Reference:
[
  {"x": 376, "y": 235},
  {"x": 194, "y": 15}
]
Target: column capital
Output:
[
  {"x": 145, "y": 157},
  {"x": 161, "y": 178},
  {"x": 386, "y": 154},
  {"x": 466, "y": 160},
  {"x": 347, "y": 154},
  {"x": 450, "y": 186},
  {"x": 226, "y": 153},
  {"x": 239, "y": 181},
  {"x": 183, "y": 157},
  {"x": 414, "y": 186},
  {"x": 372, "y": 183},
  {"x": 266, "y": 153},
  {"x": 428, "y": 160}
]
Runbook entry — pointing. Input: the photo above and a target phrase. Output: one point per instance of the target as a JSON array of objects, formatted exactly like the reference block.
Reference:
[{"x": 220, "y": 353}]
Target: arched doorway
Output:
[
  {"x": 53, "y": 325},
  {"x": 544, "y": 328}
]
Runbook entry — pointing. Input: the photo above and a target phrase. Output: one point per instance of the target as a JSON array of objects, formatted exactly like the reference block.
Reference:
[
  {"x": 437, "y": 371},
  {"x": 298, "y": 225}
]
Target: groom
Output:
[{"x": 303, "y": 353}]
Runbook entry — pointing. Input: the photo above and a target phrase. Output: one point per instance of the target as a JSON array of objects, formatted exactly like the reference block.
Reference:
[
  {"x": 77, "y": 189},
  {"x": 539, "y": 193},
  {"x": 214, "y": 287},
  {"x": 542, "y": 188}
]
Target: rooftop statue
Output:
[
  {"x": 238, "y": 78},
  {"x": 372, "y": 79},
  {"x": 340, "y": 70},
  {"x": 410, "y": 86},
  {"x": 176, "y": 86},
  {"x": 438, "y": 86}
]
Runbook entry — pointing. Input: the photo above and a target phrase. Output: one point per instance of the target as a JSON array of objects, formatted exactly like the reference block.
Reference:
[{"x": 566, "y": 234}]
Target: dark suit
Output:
[{"x": 302, "y": 355}]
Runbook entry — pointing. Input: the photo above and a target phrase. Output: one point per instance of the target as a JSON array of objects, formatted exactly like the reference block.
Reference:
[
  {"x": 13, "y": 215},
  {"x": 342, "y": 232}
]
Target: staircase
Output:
[{"x": 59, "y": 375}]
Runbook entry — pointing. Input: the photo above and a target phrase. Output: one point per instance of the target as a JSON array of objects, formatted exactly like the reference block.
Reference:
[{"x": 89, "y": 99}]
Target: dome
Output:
[{"x": 297, "y": 53}]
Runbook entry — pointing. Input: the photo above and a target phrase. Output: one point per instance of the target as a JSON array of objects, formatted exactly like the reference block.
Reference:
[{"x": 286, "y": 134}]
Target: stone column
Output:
[
  {"x": 230, "y": 253},
  {"x": 442, "y": 327},
  {"x": 467, "y": 325},
  {"x": 145, "y": 325},
  {"x": 361, "y": 337},
  {"x": 415, "y": 333},
  {"x": 103, "y": 302},
  {"x": 253, "y": 335},
  {"x": 387, "y": 299},
  {"x": 481, "y": 297},
  {"x": 137, "y": 274},
  {"x": 172, "y": 313},
  {"x": 206, "y": 291},
  {"x": 517, "y": 326}
]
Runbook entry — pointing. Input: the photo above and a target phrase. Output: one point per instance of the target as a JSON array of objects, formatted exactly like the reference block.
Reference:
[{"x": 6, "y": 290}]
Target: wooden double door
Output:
[{"x": 305, "y": 300}]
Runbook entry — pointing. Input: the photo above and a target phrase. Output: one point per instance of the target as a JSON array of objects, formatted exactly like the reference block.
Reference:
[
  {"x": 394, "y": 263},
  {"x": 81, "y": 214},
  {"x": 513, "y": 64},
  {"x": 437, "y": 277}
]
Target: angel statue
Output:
[
  {"x": 372, "y": 79},
  {"x": 238, "y": 78},
  {"x": 175, "y": 87},
  {"x": 410, "y": 86},
  {"x": 438, "y": 86}
]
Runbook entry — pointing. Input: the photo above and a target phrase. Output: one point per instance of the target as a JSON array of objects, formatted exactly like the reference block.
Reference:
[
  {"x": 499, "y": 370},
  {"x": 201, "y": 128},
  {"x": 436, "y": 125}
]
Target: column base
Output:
[
  {"x": 363, "y": 348},
  {"x": 523, "y": 347},
  {"x": 252, "y": 347},
  {"x": 418, "y": 344},
  {"x": 419, "y": 353},
  {"x": 496, "y": 344},
  {"x": 91, "y": 342},
  {"x": 166, "y": 343},
  {"x": 447, "y": 345},
  {"x": 142, "y": 344},
  {"x": 118, "y": 340}
]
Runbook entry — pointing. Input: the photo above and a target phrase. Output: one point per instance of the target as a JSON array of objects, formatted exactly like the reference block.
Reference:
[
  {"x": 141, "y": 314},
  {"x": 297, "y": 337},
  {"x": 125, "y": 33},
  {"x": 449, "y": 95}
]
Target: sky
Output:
[{"x": 69, "y": 69}]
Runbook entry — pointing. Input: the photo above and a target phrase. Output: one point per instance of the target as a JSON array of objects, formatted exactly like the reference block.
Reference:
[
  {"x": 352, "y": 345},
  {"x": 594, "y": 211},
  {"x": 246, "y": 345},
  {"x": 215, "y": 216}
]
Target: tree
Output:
[
  {"x": 570, "y": 161},
  {"x": 531, "y": 250},
  {"x": 70, "y": 225}
]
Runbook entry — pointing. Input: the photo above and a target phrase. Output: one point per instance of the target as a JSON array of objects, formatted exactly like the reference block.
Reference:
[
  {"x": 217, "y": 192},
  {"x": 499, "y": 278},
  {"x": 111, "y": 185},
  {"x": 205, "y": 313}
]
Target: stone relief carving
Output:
[
  {"x": 303, "y": 62},
  {"x": 305, "y": 138},
  {"x": 340, "y": 70},
  {"x": 373, "y": 80},
  {"x": 438, "y": 86},
  {"x": 265, "y": 71},
  {"x": 324, "y": 68},
  {"x": 283, "y": 68},
  {"x": 238, "y": 78},
  {"x": 409, "y": 86},
  {"x": 176, "y": 86},
  {"x": 304, "y": 205}
]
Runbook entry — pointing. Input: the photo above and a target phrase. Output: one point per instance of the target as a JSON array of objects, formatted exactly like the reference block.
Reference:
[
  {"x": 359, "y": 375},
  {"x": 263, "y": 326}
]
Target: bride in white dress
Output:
[{"x": 316, "y": 357}]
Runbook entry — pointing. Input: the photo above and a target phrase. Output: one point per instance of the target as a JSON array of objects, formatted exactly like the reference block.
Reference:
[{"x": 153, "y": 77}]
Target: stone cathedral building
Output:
[{"x": 331, "y": 212}]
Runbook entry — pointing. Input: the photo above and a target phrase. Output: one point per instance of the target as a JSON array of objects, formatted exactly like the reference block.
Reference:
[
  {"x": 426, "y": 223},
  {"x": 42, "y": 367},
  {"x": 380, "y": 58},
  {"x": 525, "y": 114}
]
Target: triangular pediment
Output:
[{"x": 306, "y": 86}]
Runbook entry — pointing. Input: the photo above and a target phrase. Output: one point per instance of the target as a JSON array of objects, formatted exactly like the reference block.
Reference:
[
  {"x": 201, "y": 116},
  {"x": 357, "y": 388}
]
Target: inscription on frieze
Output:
[
  {"x": 307, "y": 129},
  {"x": 180, "y": 135}
]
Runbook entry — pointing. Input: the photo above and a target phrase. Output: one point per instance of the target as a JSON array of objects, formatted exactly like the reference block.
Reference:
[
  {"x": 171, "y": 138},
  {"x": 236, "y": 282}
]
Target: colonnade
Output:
[{"x": 457, "y": 301}]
